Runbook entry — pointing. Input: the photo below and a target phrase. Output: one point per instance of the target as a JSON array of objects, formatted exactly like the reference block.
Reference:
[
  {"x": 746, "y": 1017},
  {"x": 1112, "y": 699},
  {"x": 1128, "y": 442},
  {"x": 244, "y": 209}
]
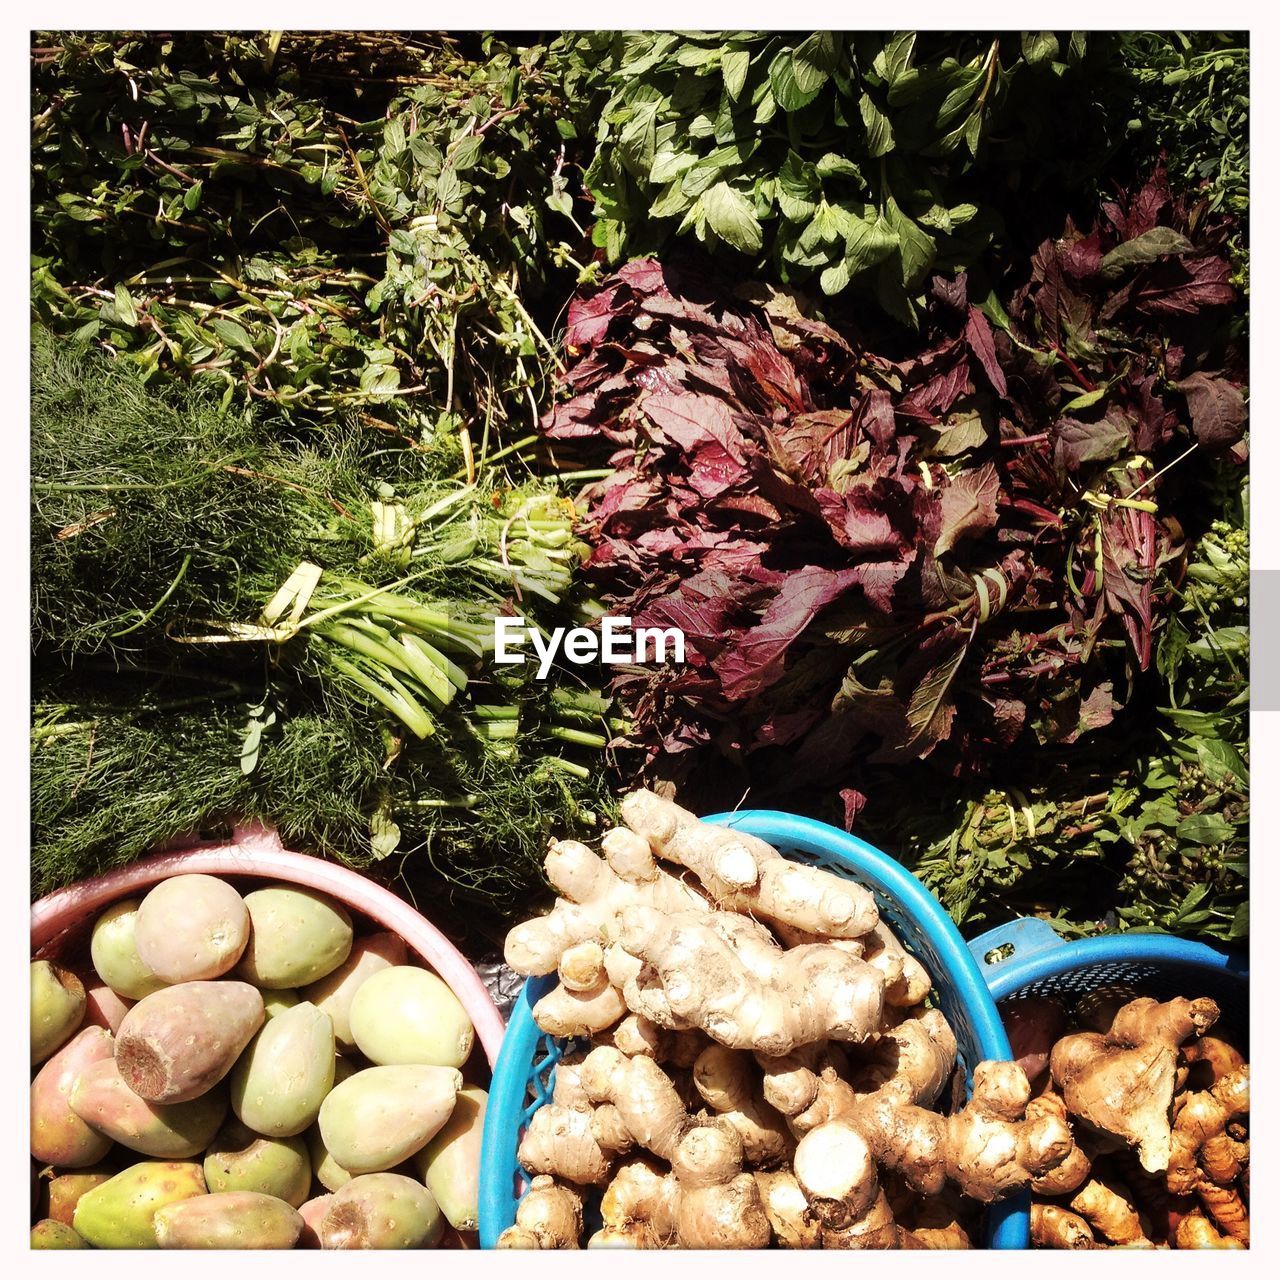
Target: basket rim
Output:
[{"x": 1007, "y": 978}]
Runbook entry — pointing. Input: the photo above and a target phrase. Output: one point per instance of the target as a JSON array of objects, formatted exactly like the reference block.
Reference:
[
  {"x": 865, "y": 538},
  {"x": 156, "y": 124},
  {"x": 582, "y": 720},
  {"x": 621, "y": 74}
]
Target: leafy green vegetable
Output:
[
  {"x": 320, "y": 222},
  {"x": 1149, "y": 830},
  {"x": 1186, "y": 97},
  {"x": 300, "y": 601},
  {"x": 844, "y": 159}
]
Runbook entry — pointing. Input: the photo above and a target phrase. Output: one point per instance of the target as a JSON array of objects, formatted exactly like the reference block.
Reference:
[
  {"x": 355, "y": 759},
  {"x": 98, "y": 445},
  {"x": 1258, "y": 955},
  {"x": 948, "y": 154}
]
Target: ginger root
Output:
[
  {"x": 1195, "y": 1231},
  {"x": 787, "y": 1209},
  {"x": 569, "y": 1013},
  {"x": 726, "y": 975},
  {"x": 549, "y": 1217},
  {"x": 719, "y": 1206},
  {"x": 836, "y": 1170},
  {"x": 1108, "y": 1207},
  {"x": 645, "y": 1100},
  {"x": 1053, "y": 1227},
  {"x": 743, "y": 874},
  {"x": 638, "y": 1208},
  {"x": 1072, "y": 1172},
  {"x": 725, "y": 1080},
  {"x": 1201, "y": 1119},
  {"x": 1122, "y": 1081},
  {"x": 593, "y": 893}
]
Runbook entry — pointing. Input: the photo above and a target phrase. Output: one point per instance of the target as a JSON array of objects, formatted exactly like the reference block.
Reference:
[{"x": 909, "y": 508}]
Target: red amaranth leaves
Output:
[{"x": 951, "y": 553}]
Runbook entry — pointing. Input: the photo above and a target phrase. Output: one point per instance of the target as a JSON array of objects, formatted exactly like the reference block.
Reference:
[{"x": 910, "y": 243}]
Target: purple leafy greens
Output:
[{"x": 887, "y": 557}]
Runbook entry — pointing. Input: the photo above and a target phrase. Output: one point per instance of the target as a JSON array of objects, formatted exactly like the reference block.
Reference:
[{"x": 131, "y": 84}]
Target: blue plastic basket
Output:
[
  {"x": 1028, "y": 958},
  {"x": 525, "y": 1074}
]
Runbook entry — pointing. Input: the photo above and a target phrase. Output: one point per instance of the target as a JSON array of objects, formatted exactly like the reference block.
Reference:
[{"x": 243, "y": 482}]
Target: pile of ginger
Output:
[
  {"x": 1160, "y": 1111},
  {"x": 754, "y": 1062}
]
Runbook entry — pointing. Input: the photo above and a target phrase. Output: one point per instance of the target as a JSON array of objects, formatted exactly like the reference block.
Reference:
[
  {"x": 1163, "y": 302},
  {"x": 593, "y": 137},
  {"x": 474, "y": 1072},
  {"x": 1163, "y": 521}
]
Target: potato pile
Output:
[
  {"x": 763, "y": 1067},
  {"x": 1160, "y": 1110},
  {"x": 245, "y": 1073}
]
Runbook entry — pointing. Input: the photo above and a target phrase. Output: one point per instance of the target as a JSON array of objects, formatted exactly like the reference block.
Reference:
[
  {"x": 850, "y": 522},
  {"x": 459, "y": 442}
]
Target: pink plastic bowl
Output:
[{"x": 257, "y": 851}]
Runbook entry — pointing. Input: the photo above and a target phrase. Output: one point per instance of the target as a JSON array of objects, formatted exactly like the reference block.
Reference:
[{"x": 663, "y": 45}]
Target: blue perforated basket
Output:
[
  {"x": 525, "y": 1074},
  {"x": 1028, "y": 958}
]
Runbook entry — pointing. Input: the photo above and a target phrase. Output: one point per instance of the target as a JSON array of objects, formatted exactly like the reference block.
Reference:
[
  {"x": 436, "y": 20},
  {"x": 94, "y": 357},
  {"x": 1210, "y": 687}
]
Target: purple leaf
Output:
[{"x": 977, "y": 333}]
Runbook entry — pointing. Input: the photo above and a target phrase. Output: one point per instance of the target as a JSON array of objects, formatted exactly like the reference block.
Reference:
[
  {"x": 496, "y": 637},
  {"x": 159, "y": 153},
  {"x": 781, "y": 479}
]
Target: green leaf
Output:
[
  {"x": 393, "y": 141},
  {"x": 191, "y": 196},
  {"x": 637, "y": 142},
  {"x": 734, "y": 64},
  {"x": 879, "y": 130},
  {"x": 835, "y": 279},
  {"x": 894, "y": 59},
  {"x": 1205, "y": 829},
  {"x": 1039, "y": 46},
  {"x": 1142, "y": 249},
  {"x": 797, "y": 188},
  {"x": 384, "y": 831},
  {"x": 231, "y": 333},
  {"x": 465, "y": 153},
  {"x": 379, "y": 380},
  {"x": 786, "y": 86},
  {"x": 1086, "y": 398},
  {"x": 917, "y": 250},
  {"x": 868, "y": 243},
  {"x": 730, "y": 215},
  {"x": 813, "y": 61},
  {"x": 126, "y": 312},
  {"x": 834, "y": 166}
]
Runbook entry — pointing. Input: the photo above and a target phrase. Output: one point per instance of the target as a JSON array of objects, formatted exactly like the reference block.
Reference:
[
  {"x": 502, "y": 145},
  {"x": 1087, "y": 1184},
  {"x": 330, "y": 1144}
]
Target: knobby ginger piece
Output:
[
  {"x": 549, "y": 1217},
  {"x": 727, "y": 976},
  {"x": 726, "y": 1081},
  {"x": 1108, "y": 1207},
  {"x": 1202, "y": 1117},
  {"x": 1053, "y": 1227},
  {"x": 638, "y": 1208},
  {"x": 1122, "y": 1081},
  {"x": 593, "y": 894},
  {"x": 787, "y": 1209},
  {"x": 837, "y": 1173},
  {"x": 744, "y": 874},
  {"x": 719, "y": 1205}
]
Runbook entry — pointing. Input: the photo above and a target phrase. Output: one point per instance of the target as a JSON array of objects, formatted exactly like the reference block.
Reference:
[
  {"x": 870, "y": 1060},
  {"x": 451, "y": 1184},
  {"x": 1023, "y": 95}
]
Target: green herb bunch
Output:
[
  {"x": 1188, "y": 101},
  {"x": 864, "y": 159},
  {"x": 319, "y": 222},
  {"x": 255, "y": 621}
]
